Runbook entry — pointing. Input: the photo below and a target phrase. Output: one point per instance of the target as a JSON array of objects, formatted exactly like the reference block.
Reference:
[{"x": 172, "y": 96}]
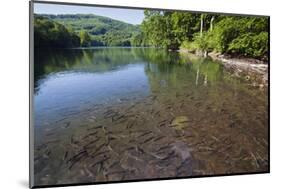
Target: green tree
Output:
[
  {"x": 85, "y": 38},
  {"x": 48, "y": 33}
]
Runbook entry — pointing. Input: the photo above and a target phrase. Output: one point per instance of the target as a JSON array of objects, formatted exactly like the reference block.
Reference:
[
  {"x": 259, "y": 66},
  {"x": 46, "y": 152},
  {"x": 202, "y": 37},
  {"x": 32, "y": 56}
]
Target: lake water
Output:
[{"x": 111, "y": 114}]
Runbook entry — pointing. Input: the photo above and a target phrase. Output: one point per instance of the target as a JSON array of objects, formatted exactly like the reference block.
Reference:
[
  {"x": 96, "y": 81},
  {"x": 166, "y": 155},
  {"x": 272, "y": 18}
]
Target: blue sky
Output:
[{"x": 126, "y": 15}]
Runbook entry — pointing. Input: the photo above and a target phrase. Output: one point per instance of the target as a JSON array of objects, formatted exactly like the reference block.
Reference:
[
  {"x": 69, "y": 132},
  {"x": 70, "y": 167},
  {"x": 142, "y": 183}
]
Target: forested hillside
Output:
[
  {"x": 103, "y": 31},
  {"x": 52, "y": 34},
  {"x": 238, "y": 35},
  {"x": 235, "y": 35}
]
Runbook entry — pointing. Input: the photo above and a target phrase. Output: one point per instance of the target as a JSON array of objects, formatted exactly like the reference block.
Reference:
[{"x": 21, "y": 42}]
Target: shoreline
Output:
[{"x": 251, "y": 69}]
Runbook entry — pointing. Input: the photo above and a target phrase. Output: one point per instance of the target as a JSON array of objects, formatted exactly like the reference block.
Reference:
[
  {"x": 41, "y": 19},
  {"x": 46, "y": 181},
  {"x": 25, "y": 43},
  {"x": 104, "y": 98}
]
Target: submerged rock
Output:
[
  {"x": 182, "y": 150},
  {"x": 177, "y": 162}
]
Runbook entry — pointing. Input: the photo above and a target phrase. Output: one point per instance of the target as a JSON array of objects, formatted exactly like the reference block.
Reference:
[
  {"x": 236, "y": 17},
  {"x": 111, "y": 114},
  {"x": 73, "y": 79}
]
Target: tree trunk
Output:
[
  {"x": 211, "y": 24},
  {"x": 202, "y": 24}
]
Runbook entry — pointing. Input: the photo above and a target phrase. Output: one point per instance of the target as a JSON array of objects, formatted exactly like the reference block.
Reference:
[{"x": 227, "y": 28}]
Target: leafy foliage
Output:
[
  {"x": 157, "y": 29},
  {"x": 250, "y": 45},
  {"x": 242, "y": 35},
  {"x": 85, "y": 39},
  {"x": 52, "y": 34}
]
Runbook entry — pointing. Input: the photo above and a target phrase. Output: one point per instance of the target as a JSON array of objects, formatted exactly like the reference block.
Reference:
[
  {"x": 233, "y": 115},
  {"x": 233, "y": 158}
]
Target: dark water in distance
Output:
[{"x": 110, "y": 114}]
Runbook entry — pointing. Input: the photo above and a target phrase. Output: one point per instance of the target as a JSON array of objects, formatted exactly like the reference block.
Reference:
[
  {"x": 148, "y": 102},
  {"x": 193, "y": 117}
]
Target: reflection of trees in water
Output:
[
  {"x": 168, "y": 72},
  {"x": 91, "y": 60},
  {"x": 162, "y": 67},
  {"x": 80, "y": 60},
  {"x": 48, "y": 61},
  {"x": 174, "y": 69},
  {"x": 207, "y": 71}
]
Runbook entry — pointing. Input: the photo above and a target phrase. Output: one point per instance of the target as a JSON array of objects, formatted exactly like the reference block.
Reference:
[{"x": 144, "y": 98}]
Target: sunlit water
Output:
[{"x": 111, "y": 114}]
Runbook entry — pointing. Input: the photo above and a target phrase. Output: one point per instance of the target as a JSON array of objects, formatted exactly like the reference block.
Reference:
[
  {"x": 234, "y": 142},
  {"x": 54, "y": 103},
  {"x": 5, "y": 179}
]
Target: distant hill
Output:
[{"x": 104, "y": 31}]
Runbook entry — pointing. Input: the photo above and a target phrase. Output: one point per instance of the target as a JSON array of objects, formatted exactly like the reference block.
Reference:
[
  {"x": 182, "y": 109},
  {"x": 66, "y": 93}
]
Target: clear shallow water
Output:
[{"x": 110, "y": 114}]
